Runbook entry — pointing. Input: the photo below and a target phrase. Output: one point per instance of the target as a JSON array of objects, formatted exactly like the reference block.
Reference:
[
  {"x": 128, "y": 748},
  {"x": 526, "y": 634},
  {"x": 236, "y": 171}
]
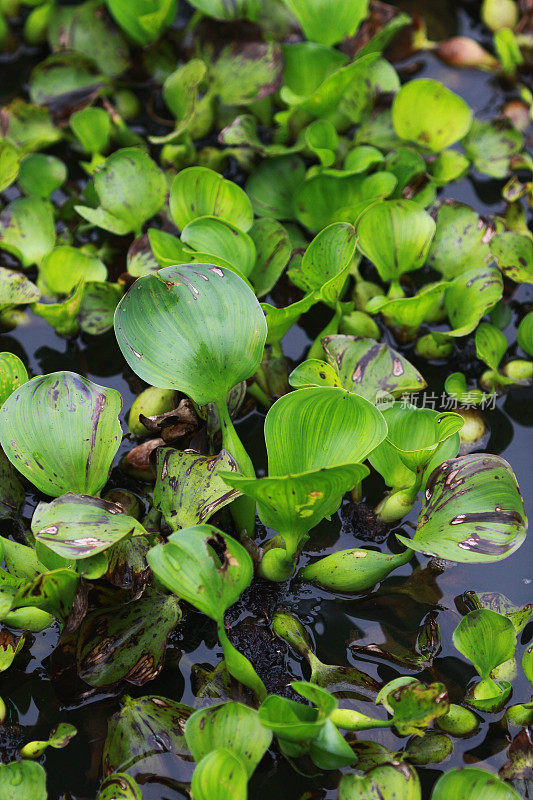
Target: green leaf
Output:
[
  {"x": 273, "y": 250},
  {"x": 131, "y": 189},
  {"x": 353, "y": 570},
  {"x": 59, "y": 737},
  {"x": 524, "y": 334},
  {"x": 135, "y": 636},
  {"x": 322, "y": 139},
  {"x": 271, "y": 188},
  {"x": 370, "y": 369},
  {"x": 60, "y": 75},
  {"x": 399, "y": 782},
  {"x": 413, "y": 705},
  {"x": 213, "y": 343},
  {"x": 219, "y": 775},
  {"x": 426, "y": 112},
  {"x": 144, "y": 727},
  {"x": 143, "y": 20},
  {"x": 27, "y": 229},
  {"x": 201, "y": 192},
  {"x": 52, "y": 591},
  {"x": 527, "y": 663},
  {"x": 472, "y": 512},
  {"x": 10, "y": 645},
  {"x": 9, "y": 164},
  {"x": 455, "y": 386},
  {"x": 334, "y": 196},
  {"x": 491, "y": 345},
  {"x": 12, "y": 374},
  {"x": 495, "y": 601},
  {"x": 231, "y": 726},
  {"x": 485, "y": 638},
  {"x": 189, "y": 488},
  {"x": 16, "y": 289},
  {"x": 469, "y": 298},
  {"x": 280, "y": 320},
  {"x": 416, "y": 433},
  {"x": 29, "y": 126},
  {"x": 62, "y": 316},
  {"x": 23, "y": 780},
  {"x": 289, "y": 720},
  {"x": 67, "y": 414},
  {"x": 327, "y": 259},
  {"x": 395, "y": 236},
  {"x": 237, "y": 9},
  {"x": 40, "y": 175},
  {"x": 246, "y": 72},
  {"x": 314, "y": 373},
  {"x": 98, "y": 305},
  {"x": 490, "y": 146},
  {"x": 329, "y": 427},
  {"x": 64, "y": 266},
  {"x": 326, "y": 24},
  {"x": 449, "y": 166},
  {"x": 221, "y": 238},
  {"x": 476, "y": 784},
  {"x": 460, "y": 241},
  {"x": 513, "y": 254},
  {"x": 78, "y": 526},
  {"x": 207, "y": 568},
  {"x": 180, "y": 92},
  {"x": 119, "y": 786}
]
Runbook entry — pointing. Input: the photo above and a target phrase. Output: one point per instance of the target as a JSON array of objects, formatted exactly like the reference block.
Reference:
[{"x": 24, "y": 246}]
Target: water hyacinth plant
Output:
[{"x": 265, "y": 374}]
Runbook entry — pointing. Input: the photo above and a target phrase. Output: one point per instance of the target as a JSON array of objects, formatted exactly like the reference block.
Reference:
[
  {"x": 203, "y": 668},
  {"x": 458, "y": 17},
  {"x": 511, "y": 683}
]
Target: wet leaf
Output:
[
  {"x": 460, "y": 242},
  {"x": 189, "y": 489},
  {"x": 519, "y": 767},
  {"x": 12, "y": 492},
  {"x": 62, "y": 316},
  {"x": 219, "y": 775},
  {"x": 23, "y": 780},
  {"x": 491, "y": 145},
  {"x": 246, "y": 72},
  {"x": 64, "y": 267},
  {"x": 62, "y": 413},
  {"x": 77, "y": 526},
  {"x": 27, "y": 229},
  {"x": 98, "y": 305},
  {"x": 370, "y": 369},
  {"x": 144, "y": 727},
  {"x": 495, "y": 601},
  {"x": 10, "y": 645},
  {"x": 131, "y": 189},
  {"x": 398, "y": 781},
  {"x": 59, "y": 737},
  {"x": 432, "y": 749},
  {"x": 127, "y": 642},
  {"x": 353, "y": 570},
  {"x": 201, "y": 192},
  {"x": 513, "y": 254},
  {"x": 426, "y": 112},
  {"x": 486, "y": 520},
  {"x": 52, "y": 592},
  {"x": 314, "y": 372},
  {"x": 413, "y": 705},
  {"x": 491, "y": 345},
  {"x": 119, "y": 786},
  {"x": 476, "y": 784},
  {"x": 231, "y": 726}
]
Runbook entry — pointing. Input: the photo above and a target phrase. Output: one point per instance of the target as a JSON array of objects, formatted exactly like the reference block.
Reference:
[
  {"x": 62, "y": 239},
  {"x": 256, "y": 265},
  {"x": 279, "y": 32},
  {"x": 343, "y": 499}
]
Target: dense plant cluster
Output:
[{"x": 262, "y": 164}]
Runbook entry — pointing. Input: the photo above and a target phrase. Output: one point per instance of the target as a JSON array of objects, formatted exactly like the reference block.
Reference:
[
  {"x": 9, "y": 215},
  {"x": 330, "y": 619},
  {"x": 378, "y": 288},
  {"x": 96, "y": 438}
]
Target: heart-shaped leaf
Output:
[
  {"x": 476, "y": 784},
  {"x": 201, "y": 192},
  {"x": 64, "y": 267},
  {"x": 77, "y": 526},
  {"x": 491, "y": 345},
  {"x": 207, "y": 332},
  {"x": 27, "y": 229},
  {"x": 469, "y": 298},
  {"x": 427, "y": 113},
  {"x": 472, "y": 512},
  {"x": 485, "y": 638},
  {"x": 326, "y": 24},
  {"x": 413, "y": 705},
  {"x": 143, "y": 20},
  {"x": 461, "y": 240},
  {"x": 232, "y": 726},
  {"x": 395, "y": 236},
  {"x": 221, "y": 238},
  {"x": 272, "y": 186},
  {"x": 490, "y": 145},
  {"x": 513, "y": 254},
  {"x": 62, "y": 432}
]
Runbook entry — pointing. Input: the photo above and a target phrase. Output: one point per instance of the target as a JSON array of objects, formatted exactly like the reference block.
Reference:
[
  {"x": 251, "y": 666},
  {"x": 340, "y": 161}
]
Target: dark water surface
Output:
[{"x": 387, "y": 618}]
